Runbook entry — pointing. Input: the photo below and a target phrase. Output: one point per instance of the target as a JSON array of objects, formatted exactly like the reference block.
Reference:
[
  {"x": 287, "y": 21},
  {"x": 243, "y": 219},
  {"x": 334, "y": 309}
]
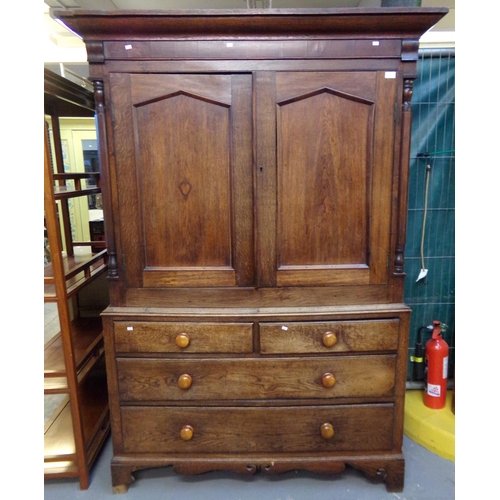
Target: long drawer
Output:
[
  {"x": 143, "y": 337},
  {"x": 263, "y": 430},
  {"x": 249, "y": 378},
  {"x": 329, "y": 336}
]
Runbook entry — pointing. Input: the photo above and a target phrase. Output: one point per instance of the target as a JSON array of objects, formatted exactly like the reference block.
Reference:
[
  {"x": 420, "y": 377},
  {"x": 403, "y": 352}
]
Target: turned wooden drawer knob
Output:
[
  {"x": 185, "y": 381},
  {"x": 182, "y": 340},
  {"x": 328, "y": 380},
  {"x": 327, "y": 431},
  {"x": 187, "y": 433},
  {"x": 329, "y": 339}
]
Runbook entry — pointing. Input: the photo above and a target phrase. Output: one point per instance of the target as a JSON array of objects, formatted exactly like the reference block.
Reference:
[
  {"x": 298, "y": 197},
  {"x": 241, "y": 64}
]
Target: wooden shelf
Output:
[
  {"x": 75, "y": 176},
  {"x": 87, "y": 347},
  {"x": 79, "y": 270},
  {"x": 63, "y": 97},
  {"x": 53, "y": 470},
  {"x": 59, "y": 442},
  {"x": 55, "y": 385},
  {"x": 64, "y": 192}
]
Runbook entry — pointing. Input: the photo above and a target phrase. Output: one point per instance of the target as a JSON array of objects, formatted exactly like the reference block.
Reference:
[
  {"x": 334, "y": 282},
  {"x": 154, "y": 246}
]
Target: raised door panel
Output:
[
  {"x": 322, "y": 175},
  {"x": 334, "y": 157},
  {"x": 183, "y": 157}
]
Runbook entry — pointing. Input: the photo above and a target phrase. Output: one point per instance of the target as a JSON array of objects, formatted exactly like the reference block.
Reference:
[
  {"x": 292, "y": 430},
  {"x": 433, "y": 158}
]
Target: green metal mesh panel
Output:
[{"x": 433, "y": 143}]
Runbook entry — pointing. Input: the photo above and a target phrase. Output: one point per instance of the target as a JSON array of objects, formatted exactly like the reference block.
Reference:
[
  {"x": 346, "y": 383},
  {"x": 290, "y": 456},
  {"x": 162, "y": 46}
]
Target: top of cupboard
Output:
[{"x": 408, "y": 23}]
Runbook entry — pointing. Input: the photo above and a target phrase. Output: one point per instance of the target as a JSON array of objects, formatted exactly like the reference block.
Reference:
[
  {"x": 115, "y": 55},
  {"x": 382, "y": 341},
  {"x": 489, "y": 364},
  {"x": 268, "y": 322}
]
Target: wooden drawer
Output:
[
  {"x": 208, "y": 379},
  {"x": 265, "y": 430},
  {"x": 345, "y": 336},
  {"x": 158, "y": 337}
]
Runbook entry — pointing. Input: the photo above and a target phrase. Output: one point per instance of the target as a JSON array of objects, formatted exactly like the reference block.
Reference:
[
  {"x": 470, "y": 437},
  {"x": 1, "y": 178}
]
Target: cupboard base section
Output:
[{"x": 386, "y": 467}]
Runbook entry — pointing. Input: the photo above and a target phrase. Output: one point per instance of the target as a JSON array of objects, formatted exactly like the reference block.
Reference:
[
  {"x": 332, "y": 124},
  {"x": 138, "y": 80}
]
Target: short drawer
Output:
[
  {"x": 330, "y": 336},
  {"x": 159, "y": 380},
  {"x": 166, "y": 337},
  {"x": 263, "y": 430}
]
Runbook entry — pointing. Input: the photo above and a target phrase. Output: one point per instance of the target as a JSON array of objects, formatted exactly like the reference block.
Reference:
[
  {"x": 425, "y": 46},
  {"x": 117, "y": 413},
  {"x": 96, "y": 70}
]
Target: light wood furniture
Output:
[
  {"x": 256, "y": 166},
  {"x": 74, "y": 363}
]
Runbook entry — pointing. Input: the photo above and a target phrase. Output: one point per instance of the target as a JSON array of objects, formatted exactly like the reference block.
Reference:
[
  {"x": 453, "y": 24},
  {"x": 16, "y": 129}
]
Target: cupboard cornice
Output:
[{"x": 251, "y": 23}]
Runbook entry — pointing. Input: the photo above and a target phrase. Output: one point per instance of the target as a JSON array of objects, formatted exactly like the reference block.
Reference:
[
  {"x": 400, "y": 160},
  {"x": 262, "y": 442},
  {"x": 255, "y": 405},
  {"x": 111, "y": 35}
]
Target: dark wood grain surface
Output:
[{"x": 258, "y": 163}]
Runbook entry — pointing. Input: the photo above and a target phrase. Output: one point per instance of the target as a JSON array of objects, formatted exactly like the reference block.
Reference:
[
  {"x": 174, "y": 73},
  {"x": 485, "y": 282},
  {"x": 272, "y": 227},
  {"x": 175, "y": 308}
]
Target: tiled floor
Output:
[{"x": 428, "y": 477}]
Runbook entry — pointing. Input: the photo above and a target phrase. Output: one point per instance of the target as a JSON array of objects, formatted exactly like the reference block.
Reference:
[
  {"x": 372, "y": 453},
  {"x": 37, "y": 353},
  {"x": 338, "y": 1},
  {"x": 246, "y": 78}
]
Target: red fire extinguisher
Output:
[{"x": 436, "y": 368}]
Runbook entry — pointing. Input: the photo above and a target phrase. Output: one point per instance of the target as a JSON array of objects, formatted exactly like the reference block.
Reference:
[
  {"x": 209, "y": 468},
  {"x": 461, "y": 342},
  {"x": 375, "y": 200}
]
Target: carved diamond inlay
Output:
[{"x": 185, "y": 188}]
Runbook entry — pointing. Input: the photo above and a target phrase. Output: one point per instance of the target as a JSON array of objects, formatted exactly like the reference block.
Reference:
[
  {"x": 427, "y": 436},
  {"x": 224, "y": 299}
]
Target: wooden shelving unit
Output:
[
  {"x": 78, "y": 271},
  {"x": 74, "y": 363}
]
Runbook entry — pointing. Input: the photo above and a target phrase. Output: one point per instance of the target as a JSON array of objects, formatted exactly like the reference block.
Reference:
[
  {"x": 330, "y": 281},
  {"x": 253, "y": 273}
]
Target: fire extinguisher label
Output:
[
  {"x": 445, "y": 367},
  {"x": 434, "y": 390}
]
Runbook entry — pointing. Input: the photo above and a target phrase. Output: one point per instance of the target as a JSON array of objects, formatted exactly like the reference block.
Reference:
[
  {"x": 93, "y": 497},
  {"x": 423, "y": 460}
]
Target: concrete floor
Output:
[{"x": 428, "y": 477}]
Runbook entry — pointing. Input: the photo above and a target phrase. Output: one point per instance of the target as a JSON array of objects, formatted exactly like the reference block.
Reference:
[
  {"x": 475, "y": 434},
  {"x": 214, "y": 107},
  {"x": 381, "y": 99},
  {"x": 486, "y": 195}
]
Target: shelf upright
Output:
[{"x": 74, "y": 364}]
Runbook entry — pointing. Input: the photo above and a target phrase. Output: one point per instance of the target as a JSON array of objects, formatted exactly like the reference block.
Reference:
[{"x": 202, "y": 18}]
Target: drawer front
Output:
[
  {"x": 183, "y": 337},
  {"x": 249, "y": 378},
  {"x": 263, "y": 430},
  {"x": 330, "y": 336}
]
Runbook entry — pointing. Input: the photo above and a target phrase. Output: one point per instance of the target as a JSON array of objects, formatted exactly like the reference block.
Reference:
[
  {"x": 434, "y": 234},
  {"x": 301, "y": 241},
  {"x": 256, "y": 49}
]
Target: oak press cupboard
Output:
[{"x": 254, "y": 170}]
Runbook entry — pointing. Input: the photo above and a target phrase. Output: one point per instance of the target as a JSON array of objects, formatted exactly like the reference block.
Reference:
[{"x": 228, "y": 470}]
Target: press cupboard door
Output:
[
  {"x": 325, "y": 213},
  {"x": 183, "y": 157}
]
